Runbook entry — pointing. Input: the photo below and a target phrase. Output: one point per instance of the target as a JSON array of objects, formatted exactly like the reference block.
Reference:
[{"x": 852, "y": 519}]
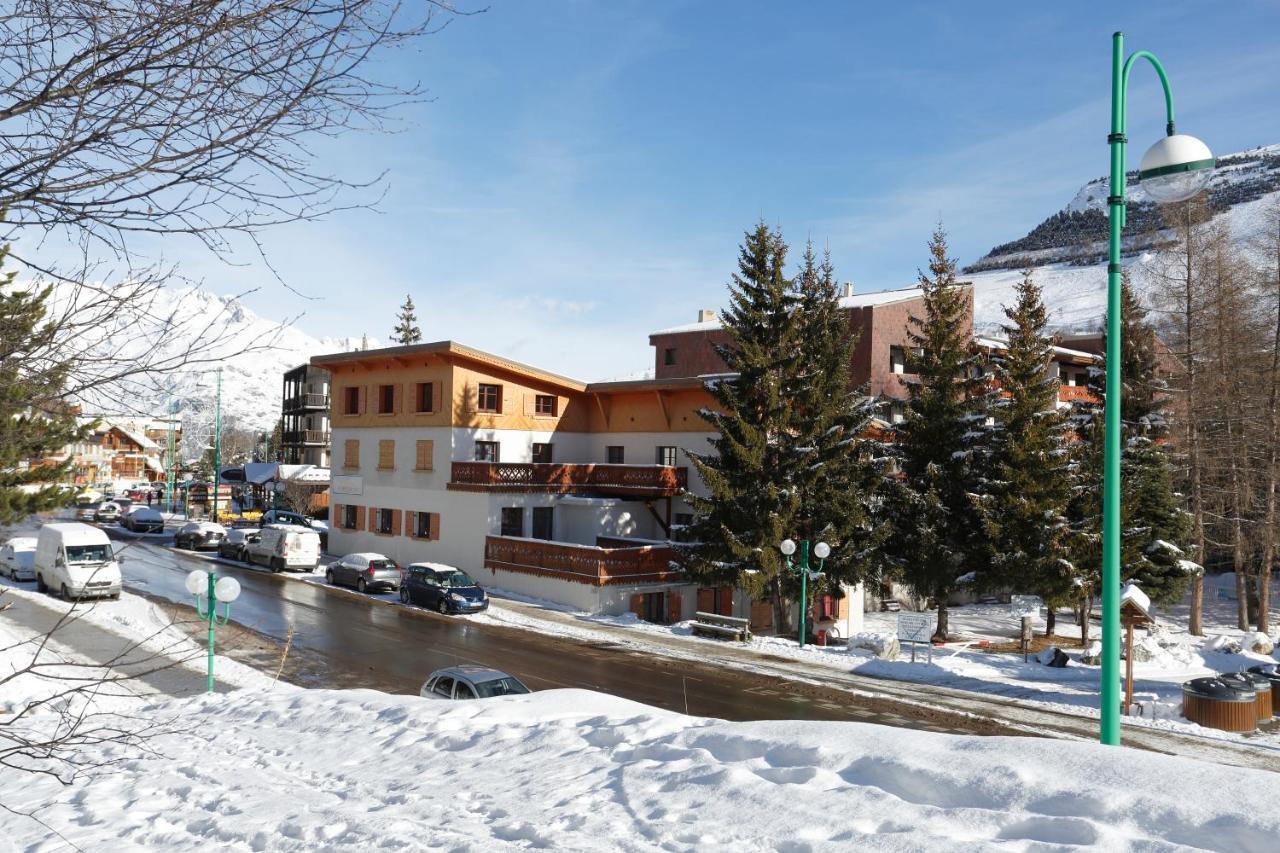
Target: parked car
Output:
[
  {"x": 469, "y": 681},
  {"x": 18, "y": 558},
  {"x": 284, "y": 516},
  {"x": 142, "y": 519},
  {"x": 443, "y": 588},
  {"x": 366, "y": 571},
  {"x": 236, "y": 541},
  {"x": 108, "y": 513},
  {"x": 200, "y": 536},
  {"x": 76, "y": 560},
  {"x": 285, "y": 546},
  {"x": 88, "y": 497},
  {"x": 88, "y": 512}
]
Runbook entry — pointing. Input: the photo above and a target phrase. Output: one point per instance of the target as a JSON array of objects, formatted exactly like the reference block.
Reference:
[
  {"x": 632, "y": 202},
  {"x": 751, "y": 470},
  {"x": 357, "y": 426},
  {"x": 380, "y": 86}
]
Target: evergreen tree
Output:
[
  {"x": 787, "y": 459},
  {"x": 933, "y": 539},
  {"x": 35, "y": 422},
  {"x": 1025, "y": 503},
  {"x": 406, "y": 330},
  {"x": 1155, "y": 528}
]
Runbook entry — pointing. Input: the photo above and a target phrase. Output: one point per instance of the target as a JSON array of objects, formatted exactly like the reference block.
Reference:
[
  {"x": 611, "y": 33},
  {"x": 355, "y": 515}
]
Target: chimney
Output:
[
  {"x": 846, "y": 289},
  {"x": 706, "y": 315}
]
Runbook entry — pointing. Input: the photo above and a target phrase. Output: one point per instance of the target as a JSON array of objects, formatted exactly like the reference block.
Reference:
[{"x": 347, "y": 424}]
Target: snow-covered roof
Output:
[
  {"x": 997, "y": 343},
  {"x": 136, "y": 435},
  {"x": 857, "y": 300},
  {"x": 1137, "y": 596}
]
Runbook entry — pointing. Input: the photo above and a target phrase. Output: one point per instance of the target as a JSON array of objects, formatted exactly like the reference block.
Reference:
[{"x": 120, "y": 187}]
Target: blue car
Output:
[{"x": 442, "y": 588}]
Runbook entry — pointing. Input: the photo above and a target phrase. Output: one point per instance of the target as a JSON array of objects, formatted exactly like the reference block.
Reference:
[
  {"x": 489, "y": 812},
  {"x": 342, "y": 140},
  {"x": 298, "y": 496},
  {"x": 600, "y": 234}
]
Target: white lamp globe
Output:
[
  {"x": 1176, "y": 168},
  {"x": 226, "y": 589},
  {"x": 197, "y": 582},
  {"x": 822, "y": 550},
  {"x": 787, "y": 547}
]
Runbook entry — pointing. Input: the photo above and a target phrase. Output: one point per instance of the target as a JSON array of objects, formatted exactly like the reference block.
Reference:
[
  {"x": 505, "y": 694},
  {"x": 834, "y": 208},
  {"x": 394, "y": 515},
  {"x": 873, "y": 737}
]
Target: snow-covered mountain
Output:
[{"x": 1069, "y": 249}]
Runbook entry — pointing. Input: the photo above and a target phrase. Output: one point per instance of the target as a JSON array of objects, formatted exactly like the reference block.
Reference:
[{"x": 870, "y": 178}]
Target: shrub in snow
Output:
[
  {"x": 1256, "y": 641},
  {"x": 1093, "y": 655},
  {"x": 883, "y": 646},
  {"x": 1226, "y": 645}
]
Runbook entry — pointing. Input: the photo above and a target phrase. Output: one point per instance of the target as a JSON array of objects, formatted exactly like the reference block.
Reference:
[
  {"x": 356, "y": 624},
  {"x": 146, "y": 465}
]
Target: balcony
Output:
[
  {"x": 643, "y": 481},
  {"x": 581, "y": 563},
  {"x": 1076, "y": 394},
  {"x": 307, "y": 437},
  {"x": 306, "y": 402}
]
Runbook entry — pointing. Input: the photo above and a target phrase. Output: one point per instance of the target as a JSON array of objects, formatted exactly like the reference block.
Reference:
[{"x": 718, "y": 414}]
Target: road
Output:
[{"x": 346, "y": 640}]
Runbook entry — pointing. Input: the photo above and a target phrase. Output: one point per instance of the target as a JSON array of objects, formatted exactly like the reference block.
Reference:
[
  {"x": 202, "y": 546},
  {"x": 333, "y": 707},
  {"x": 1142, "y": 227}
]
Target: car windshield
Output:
[
  {"x": 456, "y": 578},
  {"x": 88, "y": 553},
  {"x": 383, "y": 564},
  {"x": 507, "y": 686}
]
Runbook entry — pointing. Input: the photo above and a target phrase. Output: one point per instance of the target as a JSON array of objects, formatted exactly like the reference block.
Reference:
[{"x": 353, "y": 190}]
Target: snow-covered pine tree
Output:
[
  {"x": 934, "y": 537},
  {"x": 406, "y": 330},
  {"x": 1156, "y": 528},
  {"x": 1029, "y": 464}
]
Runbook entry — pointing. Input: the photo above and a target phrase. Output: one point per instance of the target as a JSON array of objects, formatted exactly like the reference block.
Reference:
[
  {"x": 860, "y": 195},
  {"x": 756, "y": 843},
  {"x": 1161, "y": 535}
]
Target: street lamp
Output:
[
  {"x": 208, "y": 590},
  {"x": 821, "y": 550},
  {"x": 1174, "y": 169}
]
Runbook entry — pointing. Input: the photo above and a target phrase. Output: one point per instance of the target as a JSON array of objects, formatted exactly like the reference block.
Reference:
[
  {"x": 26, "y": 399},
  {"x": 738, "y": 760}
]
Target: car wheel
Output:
[
  {"x": 404, "y": 595},
  {"x": 40, "y": 587},
  {"x": 361, "y": 586},
  {"x": 277, "y": 564},
  {"x": 443, "y": 606},
  {"x": 66, "y": 593},
  {"x": 328, "y": 576}
]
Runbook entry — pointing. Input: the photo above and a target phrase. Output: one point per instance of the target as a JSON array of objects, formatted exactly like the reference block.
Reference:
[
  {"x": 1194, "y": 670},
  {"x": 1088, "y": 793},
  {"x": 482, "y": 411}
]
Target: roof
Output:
[
  {"x": 436, "y": 567},
  {"x": 857, "y": 300},
  {"x": 74, "y": 533},
  {"x": 996, "y": 343},
  {"x": 452, "y": 348},
  {"x": 471, "y": 670},
  {"x": 136, "y": 435},
  {"x": 368, "y": 555},
  {"x": 673, "y": 384}
]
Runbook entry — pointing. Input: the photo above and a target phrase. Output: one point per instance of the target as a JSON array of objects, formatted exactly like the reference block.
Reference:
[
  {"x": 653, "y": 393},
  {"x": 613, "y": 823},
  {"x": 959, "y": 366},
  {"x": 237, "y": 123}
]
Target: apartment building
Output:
[
  {"x": 304, "y": 414},
  {"x": 537, "y": 483}
]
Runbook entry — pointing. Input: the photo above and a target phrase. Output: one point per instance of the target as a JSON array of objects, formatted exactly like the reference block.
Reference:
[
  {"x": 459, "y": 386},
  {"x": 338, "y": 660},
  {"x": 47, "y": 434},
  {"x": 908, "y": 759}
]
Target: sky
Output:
[{"x": 584, "y": 170}]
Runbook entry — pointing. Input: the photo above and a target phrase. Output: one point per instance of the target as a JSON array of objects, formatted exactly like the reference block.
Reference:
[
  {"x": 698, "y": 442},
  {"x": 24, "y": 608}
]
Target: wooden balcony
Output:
[
  {"x": 306, "y": 436},
  {"x": 306, "y": 402},
  {"x": 641, "y": 481},
  {"x": 1076, "y": 394},
  {"x": 581, "y": 563}
]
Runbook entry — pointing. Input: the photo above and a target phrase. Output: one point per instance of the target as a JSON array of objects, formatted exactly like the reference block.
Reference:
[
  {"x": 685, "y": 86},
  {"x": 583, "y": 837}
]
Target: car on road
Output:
[
  {"x": 200, "y": 536},
  {"x": 18, "y": 558},
  {"x": 285, "y": 546},
  {"x": 366, "y": 571},
  {"x": 442, "y": 588},
  {"x": 76, "y": 561},
  {"x": 142, "y": 519},
  {"x": 284, "y": 516},
  {"x": 236, "y": 541},
  {"x": 88, "y": 512},
  {"x": 108, "y": 513},
  {"x": 88, "y": 497},
  {"x": 471, "y": 682}
]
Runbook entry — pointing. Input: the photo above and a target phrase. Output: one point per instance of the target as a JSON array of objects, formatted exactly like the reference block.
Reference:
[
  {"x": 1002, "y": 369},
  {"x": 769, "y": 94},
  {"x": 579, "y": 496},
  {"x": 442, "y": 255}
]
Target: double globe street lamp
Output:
[
  {"x": 1174, "y": 169},
  {"x": 209, "y": 590},
  {"x": 821, "y": 550}
]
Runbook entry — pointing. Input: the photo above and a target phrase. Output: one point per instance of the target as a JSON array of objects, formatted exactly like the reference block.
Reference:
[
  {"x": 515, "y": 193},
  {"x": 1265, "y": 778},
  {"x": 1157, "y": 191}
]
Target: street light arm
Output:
[{"x": 1164, "y": 82}]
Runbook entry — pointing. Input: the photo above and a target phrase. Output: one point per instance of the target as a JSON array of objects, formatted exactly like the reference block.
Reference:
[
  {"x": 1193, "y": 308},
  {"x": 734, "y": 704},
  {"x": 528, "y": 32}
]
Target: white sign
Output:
[
  {"x": 347, "y": 485},
  {"x": 915, "y": 627},
  {"x": 1025, "y": 606}
]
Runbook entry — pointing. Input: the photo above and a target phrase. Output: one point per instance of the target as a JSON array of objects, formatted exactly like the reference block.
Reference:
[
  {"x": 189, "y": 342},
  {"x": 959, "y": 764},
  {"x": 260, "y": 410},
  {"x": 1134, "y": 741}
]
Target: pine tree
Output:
[
  {"x": 35, "y": 422},
  {"x": 406, "y": 330},
  {"x": 933, "y": 538},
  {"x": 1024, "y": 510},
  {"x": 787, "y": 459},
  {"x": 1155, "y": 528}
]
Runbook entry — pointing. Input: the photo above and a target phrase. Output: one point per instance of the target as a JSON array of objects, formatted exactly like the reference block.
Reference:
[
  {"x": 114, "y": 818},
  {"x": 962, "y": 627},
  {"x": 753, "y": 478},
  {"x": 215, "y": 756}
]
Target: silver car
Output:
[
  {"x": 366, "y": 571},
  {"x": 18, "y": 558},
  {"x": 469, "y": 681}
]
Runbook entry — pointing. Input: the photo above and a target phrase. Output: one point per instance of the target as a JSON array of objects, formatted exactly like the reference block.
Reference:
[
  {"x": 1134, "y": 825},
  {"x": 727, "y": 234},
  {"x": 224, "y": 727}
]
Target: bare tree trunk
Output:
[
  {"x": 1273, "y": 439},
  {"x": 940, "y": 633},
  {"x": 1192, "y": 420},
  {"x": 1050, "y": 621},
  {"x": 781, "y": 612}
]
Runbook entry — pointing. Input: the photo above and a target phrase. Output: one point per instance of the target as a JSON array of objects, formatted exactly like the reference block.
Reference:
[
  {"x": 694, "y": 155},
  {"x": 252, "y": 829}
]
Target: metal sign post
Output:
[{"x": 1027, "y": 609}]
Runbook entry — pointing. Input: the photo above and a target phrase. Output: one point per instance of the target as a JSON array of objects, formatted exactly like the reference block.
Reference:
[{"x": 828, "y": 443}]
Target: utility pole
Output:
[
  {"x": 171, "y": 469},
  {"x": 217, "y": 447}
]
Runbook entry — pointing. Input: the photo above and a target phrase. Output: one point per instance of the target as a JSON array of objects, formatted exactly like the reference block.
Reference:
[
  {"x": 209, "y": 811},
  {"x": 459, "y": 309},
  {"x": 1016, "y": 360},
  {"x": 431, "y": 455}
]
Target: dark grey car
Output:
[{"x": 366, "y": 571}]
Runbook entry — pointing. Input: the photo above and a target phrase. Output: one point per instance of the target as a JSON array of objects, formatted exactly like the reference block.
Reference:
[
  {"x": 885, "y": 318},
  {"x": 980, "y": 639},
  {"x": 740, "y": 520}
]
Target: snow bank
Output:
[{"x": 576, "y": 770}]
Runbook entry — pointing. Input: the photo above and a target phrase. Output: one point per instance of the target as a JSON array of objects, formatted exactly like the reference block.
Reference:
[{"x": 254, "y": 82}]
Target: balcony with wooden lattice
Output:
[{"x": 635, "y": 481}]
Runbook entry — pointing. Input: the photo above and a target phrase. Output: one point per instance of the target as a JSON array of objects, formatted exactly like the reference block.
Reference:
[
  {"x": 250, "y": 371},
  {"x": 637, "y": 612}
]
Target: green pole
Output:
[
  {"x": 210, "y": 605},
  {"x": 1111, "y": 497},
  {"x": 804, "y": 586},
  {"x": 217, "y": 456},
  {"x": 171, "y": 474}
]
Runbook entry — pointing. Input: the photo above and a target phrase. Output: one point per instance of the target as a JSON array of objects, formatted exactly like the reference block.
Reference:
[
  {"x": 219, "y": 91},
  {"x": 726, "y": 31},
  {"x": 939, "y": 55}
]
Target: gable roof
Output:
[{"x": 448, "y": 349}]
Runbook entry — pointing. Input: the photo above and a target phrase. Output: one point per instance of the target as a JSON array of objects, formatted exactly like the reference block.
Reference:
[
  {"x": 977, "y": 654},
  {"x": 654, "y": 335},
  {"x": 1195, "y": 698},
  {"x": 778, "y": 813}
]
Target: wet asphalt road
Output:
[{"x": 360, "y": 642}]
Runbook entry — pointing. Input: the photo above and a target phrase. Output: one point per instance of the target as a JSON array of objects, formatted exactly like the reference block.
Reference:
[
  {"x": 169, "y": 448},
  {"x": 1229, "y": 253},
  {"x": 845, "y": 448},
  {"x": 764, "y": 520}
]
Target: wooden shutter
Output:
[
  {"x": 435, "y": 396},
  {"x": 335, "y": 515},
  {"x": 425, "y": 452},
  {"x": 637, "y": 605},
  {"x": 397, "y": 398},
  {"x": 386, "y": 454},
  {"x": 673, "y": 607},
  {"x": 396, "y": 516},
  {"x": 726, "y": 601},
  {"x": 360, "y": 514},
  {"x": 506, "y": 402},
  {"x": 470, "y": 399},
  {"x": 706, "y": 599},
  {"x": 435, "y": 525},
  {"x": 372, "y": 520},
  {"x": 364, "y": 399},
  {"x": 351, "y": 453}
]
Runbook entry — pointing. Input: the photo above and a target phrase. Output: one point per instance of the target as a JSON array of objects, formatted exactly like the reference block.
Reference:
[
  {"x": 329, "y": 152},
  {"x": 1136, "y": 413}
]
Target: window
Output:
[
  {"x": 614, "y": 454},
  {"x": 489, "y": 398},
  {"x": 897, "y": 360},
  {"x": 543, "y": 522},
  {"x": 425, "y": 449},
  {"x": 386, "y": 399},
  {"x": 684, "y": 519},
  {"x": 666, "y": 455},
  {"x": 464, "y": 691},
  {"x": 487, "y": 451},
  {"x": 542, "y": 453},
  {"x": 424, "y": 397},
  {"x": 422, "y": 527},
  {"x": 669, "y": 356},
  {"x": 444, "y": 687},
  {"x": 897, "y": 413},
  {"x": 385, "y": 521},
  {"x": 386, "y": 454},
  {"x": 351, "y": 453},
  {"x": 352, "y": 398},
  {"x": 513, "y": 521},
  {"x": 544, "y": 405},
  {"x": 349, "y": 517}
]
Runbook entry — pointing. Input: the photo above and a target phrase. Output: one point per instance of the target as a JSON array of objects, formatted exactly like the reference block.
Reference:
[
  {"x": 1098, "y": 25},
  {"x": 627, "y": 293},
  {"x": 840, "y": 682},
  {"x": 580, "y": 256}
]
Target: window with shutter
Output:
[
  {"x": 351, "y": 453},
  {"x": 422, "y": 525},
  {"x": 424, "y": 398},
  {"x": 386, "y": 454},
  {"x": 489, "y": 398},
  {"x": 425, "y": 452},
  {"x": 386, "y": 399},
  {"x": 351, "y": 398},
  {"x": 544, "y": 405}
]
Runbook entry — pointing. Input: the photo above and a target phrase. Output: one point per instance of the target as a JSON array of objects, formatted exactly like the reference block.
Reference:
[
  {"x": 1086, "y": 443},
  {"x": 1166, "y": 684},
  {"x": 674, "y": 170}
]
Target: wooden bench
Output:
[{"x": 723, "y": 627}]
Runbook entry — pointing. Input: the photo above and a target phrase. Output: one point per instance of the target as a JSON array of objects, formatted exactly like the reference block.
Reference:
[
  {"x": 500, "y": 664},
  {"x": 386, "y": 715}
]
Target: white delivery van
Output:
[
  {"x": 75, "y": 561},
  {"x": 286, "y": 546}
]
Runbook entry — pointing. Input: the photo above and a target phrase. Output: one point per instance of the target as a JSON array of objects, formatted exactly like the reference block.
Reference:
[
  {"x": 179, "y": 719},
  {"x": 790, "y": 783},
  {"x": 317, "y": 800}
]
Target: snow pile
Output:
[
  {"x": 1257, "y": 642},
  {"x": 576, "y": 770},
  {"x": 1164, "y": 650}
]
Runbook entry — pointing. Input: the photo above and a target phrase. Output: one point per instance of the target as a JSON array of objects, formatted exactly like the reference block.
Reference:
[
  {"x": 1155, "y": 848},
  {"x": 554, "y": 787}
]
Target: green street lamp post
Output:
[
  {"x": 217, "y": 447},
  {"x": 1174, "y": 169},
  {"x": 821, "y": 550},
  {"x": 208, "y": 590}
]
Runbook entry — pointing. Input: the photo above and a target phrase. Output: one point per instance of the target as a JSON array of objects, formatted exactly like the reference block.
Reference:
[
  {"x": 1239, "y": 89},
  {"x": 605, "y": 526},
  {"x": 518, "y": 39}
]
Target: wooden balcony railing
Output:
[
  {"x": 1076, "y": 394},
  {"x": 637, "y": 480},
  {"x": 581, "y": 563}
]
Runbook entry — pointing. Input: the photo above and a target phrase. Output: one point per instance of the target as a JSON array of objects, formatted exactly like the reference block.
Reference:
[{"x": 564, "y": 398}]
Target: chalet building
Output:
[
  {"x": 537, "y": 483},
  {"x": 305, "y": 417}
]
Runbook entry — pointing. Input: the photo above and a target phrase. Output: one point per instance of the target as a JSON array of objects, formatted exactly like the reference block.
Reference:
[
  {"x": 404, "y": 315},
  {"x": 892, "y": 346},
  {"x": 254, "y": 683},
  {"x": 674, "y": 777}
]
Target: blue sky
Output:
[{"x": 586, "y": 169}]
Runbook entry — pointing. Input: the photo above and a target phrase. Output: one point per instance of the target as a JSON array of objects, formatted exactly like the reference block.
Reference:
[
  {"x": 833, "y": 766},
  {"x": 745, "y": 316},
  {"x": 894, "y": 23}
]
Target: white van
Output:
[
  {"x": 76, "y": 560},
  {"x": 286, "y": 546}
]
